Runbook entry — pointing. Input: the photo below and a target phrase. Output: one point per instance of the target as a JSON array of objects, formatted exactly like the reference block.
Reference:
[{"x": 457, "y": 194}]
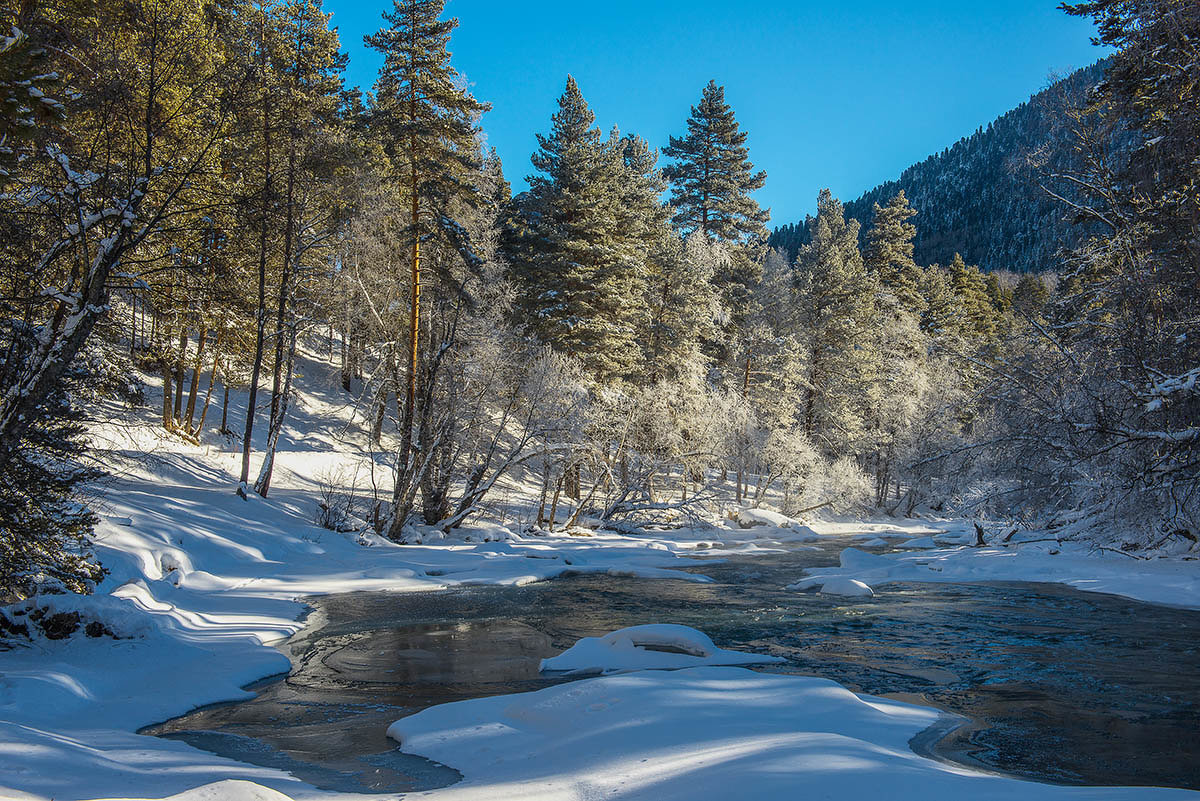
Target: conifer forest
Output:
[{"x": 270, "y": 338}]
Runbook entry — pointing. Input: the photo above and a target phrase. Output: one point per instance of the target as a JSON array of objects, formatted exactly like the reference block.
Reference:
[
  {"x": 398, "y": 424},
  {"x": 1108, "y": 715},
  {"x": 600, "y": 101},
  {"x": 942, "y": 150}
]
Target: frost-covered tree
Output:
[
  {"x": 682, "y": 305},
  {"x": 1030, "y": 295},
  {"x": 977, "y": 313},
  {"x": 1099, "y": 401},
  {"x": 834, "y": 302}
]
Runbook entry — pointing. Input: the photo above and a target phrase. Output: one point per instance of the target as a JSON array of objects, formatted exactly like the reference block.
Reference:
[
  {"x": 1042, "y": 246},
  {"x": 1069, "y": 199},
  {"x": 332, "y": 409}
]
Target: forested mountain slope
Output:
[{"x": 981, "y": 197}]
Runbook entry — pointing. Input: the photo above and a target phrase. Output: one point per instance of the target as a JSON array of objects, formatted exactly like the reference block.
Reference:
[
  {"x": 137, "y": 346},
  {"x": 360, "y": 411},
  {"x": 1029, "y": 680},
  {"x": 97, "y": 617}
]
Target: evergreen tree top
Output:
[
  {"x": 890, "y": 239},
  {"x": 712, "y": 176},
  {"x": 420, "y": 105},
  {"x": 572, "y": 134}
]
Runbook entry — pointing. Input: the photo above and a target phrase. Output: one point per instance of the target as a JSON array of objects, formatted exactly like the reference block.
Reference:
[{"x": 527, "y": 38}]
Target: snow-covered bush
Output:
[{"x": 57, "y": 616}]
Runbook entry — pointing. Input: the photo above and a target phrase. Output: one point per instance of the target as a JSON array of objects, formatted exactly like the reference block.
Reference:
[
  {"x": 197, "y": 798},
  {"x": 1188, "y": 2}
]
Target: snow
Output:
[
  {"x": 232, "y": 790},
  {"x": 202, "y": 584},
  {"x": 1174, "y": 582},
  {"x": 660, "y": 646},
  {"x": 768, "y": 526},
  {"x": 852, "y": 588},
  {"x": 704, "y": 733}
]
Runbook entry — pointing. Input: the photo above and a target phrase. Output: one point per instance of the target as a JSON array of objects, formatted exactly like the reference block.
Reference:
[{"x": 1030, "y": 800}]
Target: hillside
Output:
[{"x": 979, "y": 197}]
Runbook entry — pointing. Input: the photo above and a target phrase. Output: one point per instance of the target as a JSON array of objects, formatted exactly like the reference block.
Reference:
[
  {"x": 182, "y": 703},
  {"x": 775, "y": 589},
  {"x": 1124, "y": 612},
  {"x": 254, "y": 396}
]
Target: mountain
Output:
[{"x": 980, "y": 197}]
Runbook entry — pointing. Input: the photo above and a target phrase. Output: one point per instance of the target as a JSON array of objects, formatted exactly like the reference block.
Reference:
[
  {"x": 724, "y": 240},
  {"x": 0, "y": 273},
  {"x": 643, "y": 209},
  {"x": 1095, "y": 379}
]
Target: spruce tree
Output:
[
  {"x": 940, "y": 314},
  {"x": 1030, "y": 295},
  {"x": 835, "y": 302},
  {"x": 970, "y": 287},
  {"x": 711, "y": 181}
]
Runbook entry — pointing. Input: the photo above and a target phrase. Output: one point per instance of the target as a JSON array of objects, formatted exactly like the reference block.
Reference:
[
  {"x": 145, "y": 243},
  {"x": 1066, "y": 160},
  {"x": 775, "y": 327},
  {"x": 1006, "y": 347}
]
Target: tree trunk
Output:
[
  {"x": 261, "y": 315},
  {"x": 168, "y": 420},
  {"x": 197, "y": 366},
  {"x": 262, "y": 484},
  {"x": 281, "y": 328},
  {"x": 554, "y": 503},
  {"x": 212, "y": 379},
  {"x": 180, "y": 355},
  {"x": 541, "y": 515}
]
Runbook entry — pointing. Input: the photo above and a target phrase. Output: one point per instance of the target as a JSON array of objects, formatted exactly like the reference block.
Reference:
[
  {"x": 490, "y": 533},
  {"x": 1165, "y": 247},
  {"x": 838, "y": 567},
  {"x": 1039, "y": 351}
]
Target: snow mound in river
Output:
[
  {"x": 835, "y": 586},
  {"x": 659, "y": 646}
]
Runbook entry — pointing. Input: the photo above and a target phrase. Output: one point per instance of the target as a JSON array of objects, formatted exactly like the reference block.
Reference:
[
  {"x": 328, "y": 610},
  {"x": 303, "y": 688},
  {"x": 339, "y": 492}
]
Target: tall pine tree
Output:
[
  {"x": 711, "y": 181},
  {"x": 576, "y": 253},
  {"x": 835, "y": 301},
  {"x": 712, "y": 177},
  {"x": 429, "y": 125}
]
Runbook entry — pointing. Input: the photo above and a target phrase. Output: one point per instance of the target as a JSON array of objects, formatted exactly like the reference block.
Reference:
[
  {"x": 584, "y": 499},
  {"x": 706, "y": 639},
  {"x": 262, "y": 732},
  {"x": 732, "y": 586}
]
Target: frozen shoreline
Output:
[{"x": 202, "y": 584}]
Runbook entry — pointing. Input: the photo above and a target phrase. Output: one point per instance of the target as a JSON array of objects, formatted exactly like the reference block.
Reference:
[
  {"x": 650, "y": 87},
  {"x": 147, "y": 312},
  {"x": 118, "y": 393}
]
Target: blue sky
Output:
[{"x": 844, "y": 95}]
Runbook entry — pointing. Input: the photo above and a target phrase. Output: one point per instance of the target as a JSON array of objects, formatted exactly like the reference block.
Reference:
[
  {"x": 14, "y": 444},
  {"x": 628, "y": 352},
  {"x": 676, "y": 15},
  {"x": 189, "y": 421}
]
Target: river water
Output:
[{"x": 1050, "y": 683}]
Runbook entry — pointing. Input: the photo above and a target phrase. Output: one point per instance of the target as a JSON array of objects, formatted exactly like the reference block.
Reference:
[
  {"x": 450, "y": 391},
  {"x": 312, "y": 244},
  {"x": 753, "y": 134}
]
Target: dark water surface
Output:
[{"x": 1057, "y": 684}]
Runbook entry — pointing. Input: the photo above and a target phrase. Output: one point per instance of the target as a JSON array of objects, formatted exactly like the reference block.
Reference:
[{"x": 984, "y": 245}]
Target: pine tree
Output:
[
  {"x": 575, "y": 255},
  {"x": 712, "y": 177},
  {"x": 428, "y": 123},
  {"x": 711, "y": 181},
  {"x": 835, "y": 301},
  {"x": 1030, "y": 295},
  {"x": 940, "y": 315},
  {"x": 979, "y": 316},
  {"x": 889, "y": 251},
  {"x": 45, "y": 531},
  {"x": 29, "y": 87}
]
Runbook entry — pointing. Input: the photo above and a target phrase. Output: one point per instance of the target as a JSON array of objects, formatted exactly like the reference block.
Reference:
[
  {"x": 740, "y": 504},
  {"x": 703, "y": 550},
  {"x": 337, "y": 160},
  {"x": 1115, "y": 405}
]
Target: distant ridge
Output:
[{"x": 979, "y": 197}]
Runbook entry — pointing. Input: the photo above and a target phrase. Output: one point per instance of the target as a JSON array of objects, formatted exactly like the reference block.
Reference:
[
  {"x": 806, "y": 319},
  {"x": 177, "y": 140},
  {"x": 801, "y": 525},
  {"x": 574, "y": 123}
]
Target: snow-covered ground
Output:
[
  {"x": 202, "y": 584},
  {"x": 703, "y": 733},
  {"x": 944, "y": 557}
]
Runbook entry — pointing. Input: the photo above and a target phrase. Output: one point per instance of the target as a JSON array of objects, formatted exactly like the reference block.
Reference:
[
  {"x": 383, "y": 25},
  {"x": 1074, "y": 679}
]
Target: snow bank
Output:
[
  {"x": 229, "y": 790},
  {"x": 1165, "y": 581},
  {"x": 202, "y": 583},
  {"x": 659, "y": 646},
  {"x": 705, "y": 733},
  {"x": 773, "y": 525}
]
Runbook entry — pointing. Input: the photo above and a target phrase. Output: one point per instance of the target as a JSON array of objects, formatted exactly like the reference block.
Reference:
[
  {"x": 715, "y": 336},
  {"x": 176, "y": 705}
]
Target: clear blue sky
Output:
[{"x": 844, "y": 95}]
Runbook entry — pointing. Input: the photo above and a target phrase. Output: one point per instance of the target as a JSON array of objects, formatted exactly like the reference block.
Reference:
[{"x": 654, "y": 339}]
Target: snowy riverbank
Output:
[{"x": 202, "y": 584}]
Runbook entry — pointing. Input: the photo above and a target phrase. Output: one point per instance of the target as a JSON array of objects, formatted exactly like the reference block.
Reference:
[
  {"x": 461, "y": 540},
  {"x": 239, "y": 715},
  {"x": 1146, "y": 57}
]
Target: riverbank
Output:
[{"x": 202, "y": 585}]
